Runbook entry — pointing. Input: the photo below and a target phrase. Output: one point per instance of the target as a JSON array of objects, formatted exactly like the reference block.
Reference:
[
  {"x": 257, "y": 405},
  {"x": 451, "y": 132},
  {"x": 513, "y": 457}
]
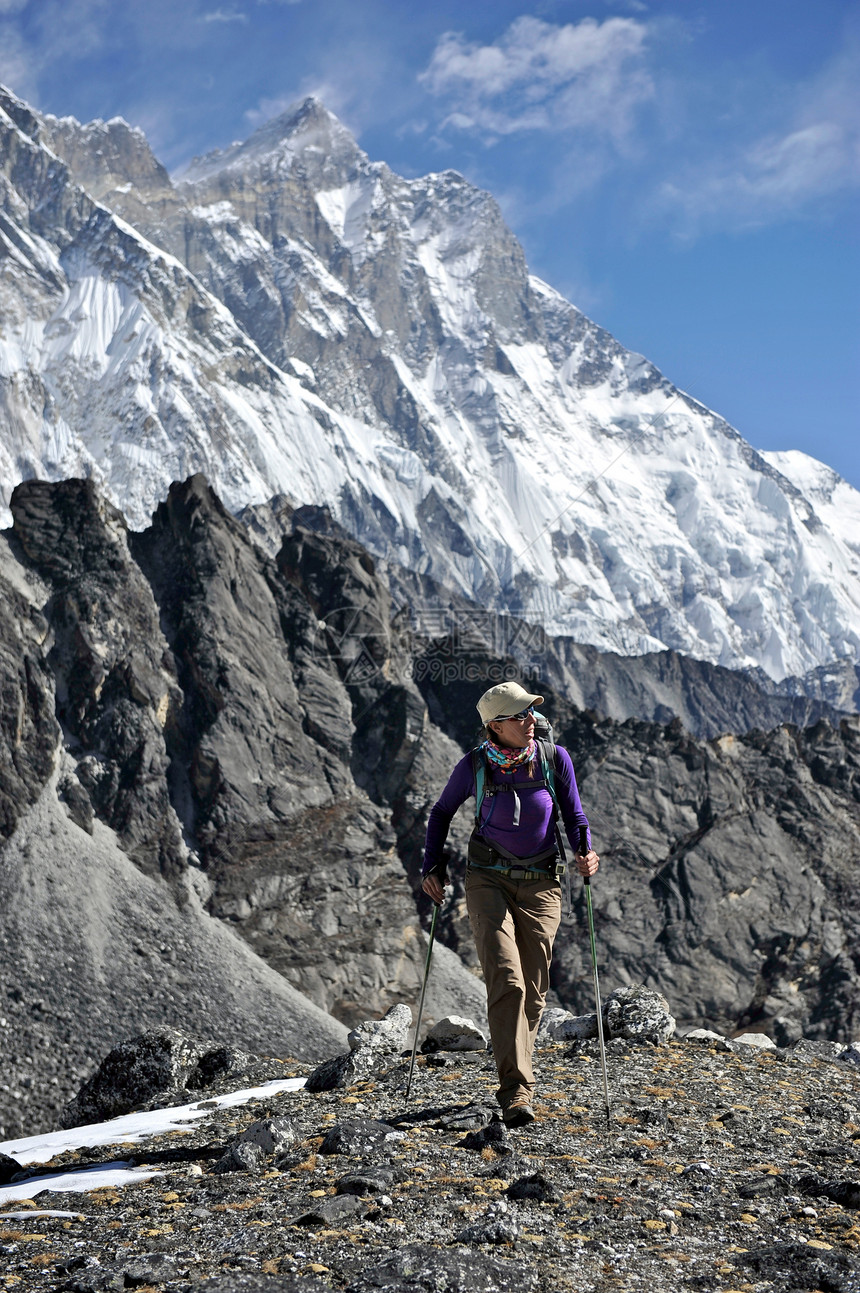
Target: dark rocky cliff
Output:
[{"x": 209, "y": 731}]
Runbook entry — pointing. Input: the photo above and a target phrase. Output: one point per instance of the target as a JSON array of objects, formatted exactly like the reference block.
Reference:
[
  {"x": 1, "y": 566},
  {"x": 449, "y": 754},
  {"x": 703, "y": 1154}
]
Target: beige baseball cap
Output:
[{"x": 504, "y": 699}]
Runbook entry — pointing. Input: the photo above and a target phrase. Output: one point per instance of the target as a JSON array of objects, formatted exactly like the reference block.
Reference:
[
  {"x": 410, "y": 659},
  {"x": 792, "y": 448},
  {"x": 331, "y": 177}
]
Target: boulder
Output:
[
  {"x": 377, "y": 1181},
  {"x": 357, "y": 1136},
  {"x": 9, "y": 1169},
  {"x": 639, "y": 1014},
  {"x": 706, "y": 1038},
  {"x": 249, "y": 1151},
  {"x": 562, "y": 1026},
  {"x": 535, "y": 1187},
  {"x": 760, "y": 1040},
  {"x": 454, "y": 1034},
  {"x": 272, "y": 1135},
  {"x": 335, "y": 1211},
  {"x": 551, "y": 1016},
  {"x": 135, "y": 1073},
  {"x": 385, "y": 1036},
  {"x": 496, "y": 1226},
  {"x": 158, "y": 1066},
  {"x": 241, "y": 1156},
  {"x": 495, "y": 1136},
  {"x": 807, "y": 1050},
  {"x": 345, "y": 1070}
]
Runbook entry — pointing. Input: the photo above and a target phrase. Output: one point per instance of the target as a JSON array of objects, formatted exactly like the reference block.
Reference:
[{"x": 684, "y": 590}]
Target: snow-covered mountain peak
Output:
[
  {"x": 306, "y": 131},
  {"x": 376, "y": 344}
]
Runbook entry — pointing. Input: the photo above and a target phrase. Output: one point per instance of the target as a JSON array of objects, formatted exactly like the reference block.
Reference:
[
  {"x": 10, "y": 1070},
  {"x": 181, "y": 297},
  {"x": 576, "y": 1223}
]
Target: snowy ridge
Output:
[{"x": 297, "y": 319}]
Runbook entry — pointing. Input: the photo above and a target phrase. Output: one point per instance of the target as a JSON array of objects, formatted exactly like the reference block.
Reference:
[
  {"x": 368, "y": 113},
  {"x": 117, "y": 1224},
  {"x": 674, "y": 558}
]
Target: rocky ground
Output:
[{"x": 721, "y": 1167}]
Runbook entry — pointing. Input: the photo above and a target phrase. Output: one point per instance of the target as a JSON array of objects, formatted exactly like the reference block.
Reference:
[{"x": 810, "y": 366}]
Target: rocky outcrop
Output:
[
  {"x": 159, "y": 1068},
  {"x": 29, "y": 731},
  {"x": 116, "y": 687},
  {"x": 270, "y": 745}
]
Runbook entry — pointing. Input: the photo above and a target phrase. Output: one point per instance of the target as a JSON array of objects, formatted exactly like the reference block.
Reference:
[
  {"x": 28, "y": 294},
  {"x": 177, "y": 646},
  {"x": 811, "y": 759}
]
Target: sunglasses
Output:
[{"x": 515, "y": 718}]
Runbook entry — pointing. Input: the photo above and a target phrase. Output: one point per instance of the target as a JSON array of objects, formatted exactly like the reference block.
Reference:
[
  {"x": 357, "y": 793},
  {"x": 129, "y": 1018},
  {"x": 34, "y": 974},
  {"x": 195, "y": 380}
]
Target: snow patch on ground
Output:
[{"x": 130, "y": 1129}]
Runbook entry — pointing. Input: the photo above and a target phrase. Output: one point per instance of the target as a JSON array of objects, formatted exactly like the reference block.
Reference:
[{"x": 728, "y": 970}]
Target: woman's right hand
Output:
[
  {"x": 587, "y": 863},
  {"x": 434, "y": 888}
]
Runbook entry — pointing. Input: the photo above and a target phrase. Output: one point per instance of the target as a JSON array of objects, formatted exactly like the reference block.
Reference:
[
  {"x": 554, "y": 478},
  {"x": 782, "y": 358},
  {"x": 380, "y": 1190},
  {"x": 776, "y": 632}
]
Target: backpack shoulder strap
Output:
[
  {"x": 479, "y": 778},
  {"x": 548, "y": 765}
]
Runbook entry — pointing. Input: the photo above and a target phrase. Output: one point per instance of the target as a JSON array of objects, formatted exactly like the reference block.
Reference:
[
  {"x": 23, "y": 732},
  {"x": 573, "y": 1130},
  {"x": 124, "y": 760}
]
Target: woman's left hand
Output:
[{"x": 587, "y": 863}]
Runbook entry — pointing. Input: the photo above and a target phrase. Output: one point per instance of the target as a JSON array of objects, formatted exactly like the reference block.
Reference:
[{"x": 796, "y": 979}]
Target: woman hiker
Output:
[{"x": 513, "y": 892}]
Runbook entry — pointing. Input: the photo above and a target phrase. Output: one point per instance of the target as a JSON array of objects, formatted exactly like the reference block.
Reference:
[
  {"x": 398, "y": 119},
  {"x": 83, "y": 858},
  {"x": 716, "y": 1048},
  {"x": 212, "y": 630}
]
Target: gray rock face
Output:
[
  {"x": 728, "y": 874},
  {"x": 29, "y": 731},
  {"x": 116, "y": 689},
  {"x": 264, "y": 746},
  {"x": 202, "y": 707}
]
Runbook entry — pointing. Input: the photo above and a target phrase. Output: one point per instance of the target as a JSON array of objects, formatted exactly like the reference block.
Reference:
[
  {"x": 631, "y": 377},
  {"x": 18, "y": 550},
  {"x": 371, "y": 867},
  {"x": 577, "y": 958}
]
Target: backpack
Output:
[{"x": 484, "y": 788}]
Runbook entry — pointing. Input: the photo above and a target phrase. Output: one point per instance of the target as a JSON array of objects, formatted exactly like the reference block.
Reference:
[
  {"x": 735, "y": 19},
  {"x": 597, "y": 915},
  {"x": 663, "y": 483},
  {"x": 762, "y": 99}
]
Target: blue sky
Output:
[{"x": 684, "y": 171}]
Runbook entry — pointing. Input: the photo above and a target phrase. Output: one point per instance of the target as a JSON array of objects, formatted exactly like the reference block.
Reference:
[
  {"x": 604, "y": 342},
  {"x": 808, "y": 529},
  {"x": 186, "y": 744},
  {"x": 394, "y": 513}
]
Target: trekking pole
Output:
[
  {"x": 583, "y": 848},
  {"x": 421, "y": 999}
]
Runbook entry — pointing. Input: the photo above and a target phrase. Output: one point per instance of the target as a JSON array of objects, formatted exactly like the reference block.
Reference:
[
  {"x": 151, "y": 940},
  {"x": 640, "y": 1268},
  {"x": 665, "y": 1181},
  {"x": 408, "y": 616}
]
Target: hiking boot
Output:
[{"x": 519, "y": 1114}]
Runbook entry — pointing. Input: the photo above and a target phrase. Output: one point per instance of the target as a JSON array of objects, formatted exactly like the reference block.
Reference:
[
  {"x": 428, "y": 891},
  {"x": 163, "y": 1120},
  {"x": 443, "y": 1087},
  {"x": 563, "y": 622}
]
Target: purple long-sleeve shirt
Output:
[{"x": 535, "y": 831}]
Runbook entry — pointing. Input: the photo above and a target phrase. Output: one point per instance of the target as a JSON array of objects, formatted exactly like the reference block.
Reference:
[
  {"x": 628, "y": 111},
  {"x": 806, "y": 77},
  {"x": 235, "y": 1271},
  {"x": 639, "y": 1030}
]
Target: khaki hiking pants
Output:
[{"x": 514, "y": 923}]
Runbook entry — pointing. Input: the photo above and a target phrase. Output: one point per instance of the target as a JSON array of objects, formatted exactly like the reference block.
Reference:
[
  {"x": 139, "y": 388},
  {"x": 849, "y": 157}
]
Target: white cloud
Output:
[
  {"x": 220, "y": 15},
  {"x": 58, "y": 31},
  {"x": 540, "y": 76},
  {"x": 791, "y": 170},
  {"x": 18, "y": 69}
]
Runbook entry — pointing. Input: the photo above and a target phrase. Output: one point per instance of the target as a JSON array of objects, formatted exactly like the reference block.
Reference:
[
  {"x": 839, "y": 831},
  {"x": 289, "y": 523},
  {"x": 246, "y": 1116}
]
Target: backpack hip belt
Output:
[{"x": 486, "y": 857}]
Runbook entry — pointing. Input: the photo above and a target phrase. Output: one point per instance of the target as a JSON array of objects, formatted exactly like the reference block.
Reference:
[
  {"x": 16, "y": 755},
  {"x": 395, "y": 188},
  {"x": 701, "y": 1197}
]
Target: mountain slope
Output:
[{"x": 349, "y": 337}]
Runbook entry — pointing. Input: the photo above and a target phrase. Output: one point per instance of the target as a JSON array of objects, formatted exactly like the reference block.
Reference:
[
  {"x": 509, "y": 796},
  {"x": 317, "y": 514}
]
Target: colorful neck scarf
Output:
[{"x": 508, "y": 760}]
